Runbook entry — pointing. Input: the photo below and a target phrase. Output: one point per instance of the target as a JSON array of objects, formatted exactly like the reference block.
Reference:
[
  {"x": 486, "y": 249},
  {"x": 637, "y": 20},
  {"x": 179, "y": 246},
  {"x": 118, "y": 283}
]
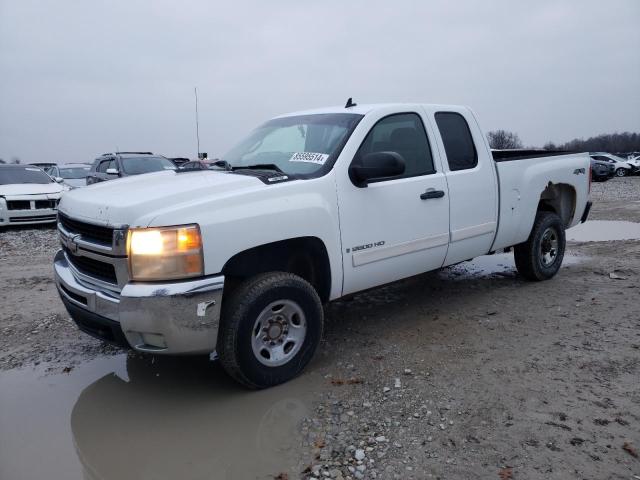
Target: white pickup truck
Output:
[{"x": 310, "y": 207}]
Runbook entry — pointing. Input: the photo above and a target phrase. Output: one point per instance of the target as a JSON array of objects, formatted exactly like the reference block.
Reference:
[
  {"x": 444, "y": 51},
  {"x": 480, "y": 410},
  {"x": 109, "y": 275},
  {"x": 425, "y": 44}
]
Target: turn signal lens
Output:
[{"x": 165, "y": 253}]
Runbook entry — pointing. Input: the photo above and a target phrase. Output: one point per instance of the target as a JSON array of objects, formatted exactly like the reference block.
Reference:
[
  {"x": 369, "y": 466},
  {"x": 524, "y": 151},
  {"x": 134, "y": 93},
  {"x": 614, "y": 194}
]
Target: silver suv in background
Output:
[
  {"x": 110, "y": 166},
  {"x": 72, "y": 174}
]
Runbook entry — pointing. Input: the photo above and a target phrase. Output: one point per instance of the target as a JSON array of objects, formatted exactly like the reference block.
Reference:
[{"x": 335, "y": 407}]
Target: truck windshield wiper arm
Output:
[{"x": 260, "y": 166}]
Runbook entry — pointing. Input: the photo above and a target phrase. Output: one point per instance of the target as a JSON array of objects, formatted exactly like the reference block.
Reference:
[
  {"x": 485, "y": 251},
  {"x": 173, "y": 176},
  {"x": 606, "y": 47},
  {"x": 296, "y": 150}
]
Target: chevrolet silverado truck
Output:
[{"x": 308, "y": 208}]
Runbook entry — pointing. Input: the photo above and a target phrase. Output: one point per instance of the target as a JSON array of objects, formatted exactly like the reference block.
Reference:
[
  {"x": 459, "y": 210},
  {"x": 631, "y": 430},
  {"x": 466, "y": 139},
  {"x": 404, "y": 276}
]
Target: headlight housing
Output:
[{"x": 165, "y": 253}]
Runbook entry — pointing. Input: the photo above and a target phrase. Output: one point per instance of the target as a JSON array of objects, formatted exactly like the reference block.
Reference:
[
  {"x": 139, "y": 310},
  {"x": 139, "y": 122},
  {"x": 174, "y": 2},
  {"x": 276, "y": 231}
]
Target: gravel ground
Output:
[
  {"x": 34, "y": 325},
  {"x": 625, "y": 188},
  {"x": 470, "y": 372}
]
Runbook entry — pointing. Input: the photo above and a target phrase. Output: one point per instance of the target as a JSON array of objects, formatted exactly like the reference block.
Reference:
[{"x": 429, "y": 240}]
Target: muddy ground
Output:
[{"x": 470, "y": 372}]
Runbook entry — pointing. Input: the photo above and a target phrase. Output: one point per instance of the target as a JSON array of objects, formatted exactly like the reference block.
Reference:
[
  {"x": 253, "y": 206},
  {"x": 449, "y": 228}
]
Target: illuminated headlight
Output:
[{"x": 166, "y": 253}]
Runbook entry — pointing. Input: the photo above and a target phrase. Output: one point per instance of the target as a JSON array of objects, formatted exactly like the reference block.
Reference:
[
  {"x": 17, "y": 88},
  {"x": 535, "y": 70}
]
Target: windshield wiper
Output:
[{"x": 260, "y": 166}]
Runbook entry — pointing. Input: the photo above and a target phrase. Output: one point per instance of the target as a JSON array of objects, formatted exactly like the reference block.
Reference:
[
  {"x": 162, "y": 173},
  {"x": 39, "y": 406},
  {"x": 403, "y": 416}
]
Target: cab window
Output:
[
  {"x": 404, "y": 134},
  {"x": 458, "y": 142}
]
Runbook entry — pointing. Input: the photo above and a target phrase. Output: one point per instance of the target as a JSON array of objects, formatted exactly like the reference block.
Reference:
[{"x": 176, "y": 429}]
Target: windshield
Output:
[
  {"x": 74, "y": 172},
  {"x": 138, "y": 165},
  {"x": 296, "y": 145},
  {"x": 9, "y": 175}
]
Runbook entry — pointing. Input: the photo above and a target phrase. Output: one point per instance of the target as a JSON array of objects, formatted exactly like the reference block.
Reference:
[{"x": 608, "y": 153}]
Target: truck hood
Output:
[
  {"x": 30, "y": 189},
  {"x": 134, "y": 200}
]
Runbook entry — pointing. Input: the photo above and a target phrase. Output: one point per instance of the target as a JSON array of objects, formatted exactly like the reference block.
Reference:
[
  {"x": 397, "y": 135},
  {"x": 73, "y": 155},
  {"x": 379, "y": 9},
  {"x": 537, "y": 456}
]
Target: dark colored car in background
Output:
[
  {"x": 178, "y": 161},
  {"x": 110, "y": 166},
  {"x": 601, "y": 171}
]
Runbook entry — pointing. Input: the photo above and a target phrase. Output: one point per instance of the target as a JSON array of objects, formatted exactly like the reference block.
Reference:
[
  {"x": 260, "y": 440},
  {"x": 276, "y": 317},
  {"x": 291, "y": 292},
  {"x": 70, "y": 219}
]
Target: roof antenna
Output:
[
  {"x": 195, "y": 91},
  {"x": 350, "y": 103}
]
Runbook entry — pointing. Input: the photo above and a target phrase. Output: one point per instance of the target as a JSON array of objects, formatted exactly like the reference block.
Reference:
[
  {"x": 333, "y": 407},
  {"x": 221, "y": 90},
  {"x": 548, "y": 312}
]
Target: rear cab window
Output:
[{"x": 458, "y": 143}]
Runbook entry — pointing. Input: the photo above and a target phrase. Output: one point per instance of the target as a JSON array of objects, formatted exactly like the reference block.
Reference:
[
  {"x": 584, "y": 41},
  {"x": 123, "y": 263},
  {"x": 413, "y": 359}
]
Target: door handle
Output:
[{"x": 431, "y": 193}]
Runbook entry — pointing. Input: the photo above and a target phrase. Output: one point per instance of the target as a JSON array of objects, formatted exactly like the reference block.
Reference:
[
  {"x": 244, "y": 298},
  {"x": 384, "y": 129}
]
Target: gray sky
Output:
[{"x": 80, "y": 78}]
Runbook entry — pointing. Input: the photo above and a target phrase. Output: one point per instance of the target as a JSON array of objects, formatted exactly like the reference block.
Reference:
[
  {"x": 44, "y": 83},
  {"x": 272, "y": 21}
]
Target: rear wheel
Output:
[
  {"x": 540, "y": 257},
  {"x": 621, "y": 172},
  {"x": 270, "y": 328}
]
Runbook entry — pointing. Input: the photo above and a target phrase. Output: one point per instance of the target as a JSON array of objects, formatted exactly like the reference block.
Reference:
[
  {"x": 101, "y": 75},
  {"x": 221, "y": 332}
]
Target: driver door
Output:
[{"x": 399, "y": 226}]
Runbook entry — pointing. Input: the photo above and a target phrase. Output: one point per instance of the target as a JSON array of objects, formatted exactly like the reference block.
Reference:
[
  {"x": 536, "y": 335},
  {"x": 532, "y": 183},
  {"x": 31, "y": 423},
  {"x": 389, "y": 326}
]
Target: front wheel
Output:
[
  {"x": 270, "y": 328},
  {"x": 621, "y": 172},
  {"x": 540, "y": 257}
]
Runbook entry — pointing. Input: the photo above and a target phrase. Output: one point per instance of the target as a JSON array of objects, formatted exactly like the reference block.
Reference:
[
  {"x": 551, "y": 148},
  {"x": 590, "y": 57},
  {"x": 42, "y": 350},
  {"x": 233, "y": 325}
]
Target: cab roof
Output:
[{"x": 363, "y": 109}]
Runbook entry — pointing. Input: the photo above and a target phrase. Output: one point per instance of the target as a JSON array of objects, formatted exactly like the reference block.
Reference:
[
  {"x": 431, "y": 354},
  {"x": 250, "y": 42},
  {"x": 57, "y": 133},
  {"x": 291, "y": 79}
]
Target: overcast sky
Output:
[{"x": 80, "y": 78}]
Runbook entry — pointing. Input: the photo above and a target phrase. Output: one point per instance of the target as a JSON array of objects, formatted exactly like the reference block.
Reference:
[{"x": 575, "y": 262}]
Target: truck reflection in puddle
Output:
[
  {"x": 177, "y": 417},
  {"x": 132, "y": 417}
]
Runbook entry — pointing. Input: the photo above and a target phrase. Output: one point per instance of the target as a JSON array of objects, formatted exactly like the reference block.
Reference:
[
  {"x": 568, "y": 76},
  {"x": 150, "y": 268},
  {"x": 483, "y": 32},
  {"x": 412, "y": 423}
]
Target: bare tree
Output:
[
  {"x": 502, "y": 140},
  {"x": 550, "y": 146},
  {"x": 15, "y": 160}
]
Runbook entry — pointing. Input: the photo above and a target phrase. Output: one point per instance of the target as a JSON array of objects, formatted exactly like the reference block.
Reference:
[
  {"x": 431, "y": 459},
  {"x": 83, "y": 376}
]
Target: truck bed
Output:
[{"x": 527, "y": 175}]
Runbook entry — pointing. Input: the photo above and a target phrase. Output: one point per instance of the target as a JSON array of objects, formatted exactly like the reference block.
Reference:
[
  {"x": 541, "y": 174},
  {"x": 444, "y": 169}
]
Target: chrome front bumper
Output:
[{"x": 168, "y": 318}]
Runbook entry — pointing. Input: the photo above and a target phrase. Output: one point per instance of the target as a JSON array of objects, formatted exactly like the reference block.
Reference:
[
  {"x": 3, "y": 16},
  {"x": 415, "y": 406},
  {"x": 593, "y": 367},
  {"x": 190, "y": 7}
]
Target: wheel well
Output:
[
  {"x": 559, "y": 198},
  {"x": 306, "y": 257}
]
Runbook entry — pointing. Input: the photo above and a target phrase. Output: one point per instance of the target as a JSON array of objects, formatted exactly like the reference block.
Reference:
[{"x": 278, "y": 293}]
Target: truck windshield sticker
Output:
[{"x": 309, "y": 157}]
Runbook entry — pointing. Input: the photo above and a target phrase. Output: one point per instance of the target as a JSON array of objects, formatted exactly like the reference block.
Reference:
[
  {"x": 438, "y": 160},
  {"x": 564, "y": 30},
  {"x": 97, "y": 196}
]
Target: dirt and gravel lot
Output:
[{"x": 470, "y": 372}]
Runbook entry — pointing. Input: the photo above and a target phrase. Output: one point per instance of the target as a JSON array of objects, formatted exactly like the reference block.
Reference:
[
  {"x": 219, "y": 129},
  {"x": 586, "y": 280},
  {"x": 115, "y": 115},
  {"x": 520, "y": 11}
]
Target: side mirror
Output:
[
  {"x": 375, "y": 165},
  {"x": 112, "y": 171},
  {"x": 58, "y": 179}
]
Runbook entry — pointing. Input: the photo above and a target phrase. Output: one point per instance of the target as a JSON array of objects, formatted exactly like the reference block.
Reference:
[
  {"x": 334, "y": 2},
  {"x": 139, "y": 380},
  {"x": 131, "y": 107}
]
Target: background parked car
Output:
[
  {"x": 196, "y": 165},
  {"x": 635, "y": 164},
  {"x": 601, "y": 171},
  {"x": 72, "y": 174},
  {"x": 214, "y": 164},
  {"x": 110, "y": 166},
  {"x": 27, "y": 195},
  {"x": 178, "y": 161},
  {"x": 620, "y": 165},
  {"x": 46, "y": 166}
]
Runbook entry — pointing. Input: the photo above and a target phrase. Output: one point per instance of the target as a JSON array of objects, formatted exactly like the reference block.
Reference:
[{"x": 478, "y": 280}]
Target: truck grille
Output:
[
  {"x": 26, "y": 204},
  {"x": 87, "y": 230},
  {"x": 33, "y": 218},
  {"x": 46, "y": 204},
  {"x": 18, "y": 205},
  {"x": 94, "y": 268}
]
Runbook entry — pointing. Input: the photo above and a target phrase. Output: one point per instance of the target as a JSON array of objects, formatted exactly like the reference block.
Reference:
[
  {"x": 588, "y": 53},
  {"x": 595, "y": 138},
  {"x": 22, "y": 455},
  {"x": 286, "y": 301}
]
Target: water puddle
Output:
[
  {"x": 500, "y": 264},
  {"x": 604, "y": 231},
  {"x": 127, "y": 418}
]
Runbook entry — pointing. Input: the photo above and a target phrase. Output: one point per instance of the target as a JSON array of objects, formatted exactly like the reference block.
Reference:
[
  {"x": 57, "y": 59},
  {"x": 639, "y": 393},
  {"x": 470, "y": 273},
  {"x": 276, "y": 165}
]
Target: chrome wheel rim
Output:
[
  {"x": 549, "y": 247},
  {"x": 278, "y": 333},
  {"x": 620, "y": 172}
]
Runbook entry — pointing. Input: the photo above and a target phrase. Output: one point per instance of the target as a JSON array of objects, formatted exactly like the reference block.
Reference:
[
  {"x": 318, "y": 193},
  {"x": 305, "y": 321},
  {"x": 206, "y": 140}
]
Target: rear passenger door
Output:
[
  {"x": 472, "y": 183},
  {"x": 396, "y": 226}
]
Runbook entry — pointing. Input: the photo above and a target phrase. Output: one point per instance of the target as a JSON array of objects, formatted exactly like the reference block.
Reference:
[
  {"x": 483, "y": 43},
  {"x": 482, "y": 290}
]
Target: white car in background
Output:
[
  {"x": 72, "y": 174},
  {"x": 621, "y": 167},
  {"x": 28, "y": 195},
  {"x": 635, "y": 164}
]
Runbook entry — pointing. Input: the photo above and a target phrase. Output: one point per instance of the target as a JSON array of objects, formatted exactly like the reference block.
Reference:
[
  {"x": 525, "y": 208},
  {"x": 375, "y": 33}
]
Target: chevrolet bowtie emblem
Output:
[{"x": 72, "y": 244}]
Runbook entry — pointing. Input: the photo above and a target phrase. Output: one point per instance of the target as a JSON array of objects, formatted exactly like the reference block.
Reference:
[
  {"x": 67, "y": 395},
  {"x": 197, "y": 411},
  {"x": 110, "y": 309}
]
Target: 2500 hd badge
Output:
[{"x": 364, "y": 247}]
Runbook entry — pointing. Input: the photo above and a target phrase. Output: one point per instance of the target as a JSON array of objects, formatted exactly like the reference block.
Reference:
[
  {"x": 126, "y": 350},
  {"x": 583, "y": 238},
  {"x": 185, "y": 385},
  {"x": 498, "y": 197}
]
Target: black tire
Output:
[
  {"x": 621, "y": 172},
  {"x": 240, "y": 313},
  {"x": 531, "y": 262}
]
